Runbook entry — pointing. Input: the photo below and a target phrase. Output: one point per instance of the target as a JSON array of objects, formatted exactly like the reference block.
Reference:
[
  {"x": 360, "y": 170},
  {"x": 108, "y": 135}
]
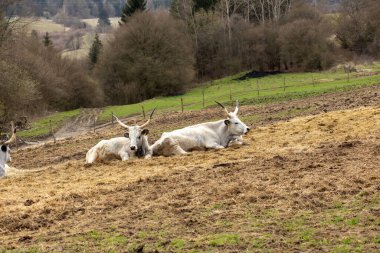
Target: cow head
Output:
[
  {"x": 136, "y": 133},
  {"x": 235, "y": 126},
  {"x": 5, "y": 152}
]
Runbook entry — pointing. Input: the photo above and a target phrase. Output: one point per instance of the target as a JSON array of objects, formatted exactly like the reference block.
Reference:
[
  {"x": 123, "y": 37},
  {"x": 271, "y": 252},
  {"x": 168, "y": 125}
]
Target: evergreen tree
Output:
[
  {"x": 47, "y": 41},
  {"x": 131, "y": 6},
  {"x": 95, "y": 49}
]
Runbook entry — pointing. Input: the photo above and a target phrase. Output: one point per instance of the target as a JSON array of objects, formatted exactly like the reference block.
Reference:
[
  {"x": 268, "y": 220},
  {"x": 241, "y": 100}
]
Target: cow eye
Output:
[{"x": 236, "y": 123}]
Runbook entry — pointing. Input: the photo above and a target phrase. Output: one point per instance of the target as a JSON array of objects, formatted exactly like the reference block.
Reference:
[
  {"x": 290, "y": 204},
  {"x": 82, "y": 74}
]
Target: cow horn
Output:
[
  {"x": 120, "y": 123},
  {"x": 225, "y": 109},
  {"x": 150, "y": 117},
  {"x": 237, "y": 107},
  {"x": 13, "y": 137}
]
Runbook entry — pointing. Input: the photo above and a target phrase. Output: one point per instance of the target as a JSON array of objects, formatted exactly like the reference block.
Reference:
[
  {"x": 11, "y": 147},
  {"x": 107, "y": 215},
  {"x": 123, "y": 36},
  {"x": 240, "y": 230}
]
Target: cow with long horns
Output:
[
  {"x": 209, "y": 135},
  {"x": 5, "y": 153},
  {"x": 133, "y": 144}
]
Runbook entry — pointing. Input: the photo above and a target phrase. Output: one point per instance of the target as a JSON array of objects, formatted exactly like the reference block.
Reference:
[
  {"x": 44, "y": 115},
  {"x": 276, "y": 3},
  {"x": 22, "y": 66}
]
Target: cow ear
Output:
[
  {"x": 145, "y": 132},
  {"x": 126, "y": 135},
  {"x": 4, "y": 148},
  {"x": 227, "y": 122}
]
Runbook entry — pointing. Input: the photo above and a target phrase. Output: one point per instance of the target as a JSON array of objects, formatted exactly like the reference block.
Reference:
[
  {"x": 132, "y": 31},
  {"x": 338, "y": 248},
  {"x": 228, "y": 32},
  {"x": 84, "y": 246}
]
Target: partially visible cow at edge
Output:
[
  {"x": 210, "y": 135},
  {"x": 134, "y": 144},
  {"x": 5, "y": 153}
]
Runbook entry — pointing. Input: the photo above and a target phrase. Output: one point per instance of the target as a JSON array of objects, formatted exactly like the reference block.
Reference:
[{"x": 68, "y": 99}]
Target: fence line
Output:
[
  {"x": 284, "y": 87},
  {"x": 257, "y": 92}
]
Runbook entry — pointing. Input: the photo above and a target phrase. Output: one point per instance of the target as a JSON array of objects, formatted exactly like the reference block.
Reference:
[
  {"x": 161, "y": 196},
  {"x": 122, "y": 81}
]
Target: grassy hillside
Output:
[{"x": 279, "y": 87}]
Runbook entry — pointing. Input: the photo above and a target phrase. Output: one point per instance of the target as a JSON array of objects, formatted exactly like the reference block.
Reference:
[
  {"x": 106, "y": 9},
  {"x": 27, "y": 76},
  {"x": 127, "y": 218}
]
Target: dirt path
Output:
[{"x": 83, "y": 123}]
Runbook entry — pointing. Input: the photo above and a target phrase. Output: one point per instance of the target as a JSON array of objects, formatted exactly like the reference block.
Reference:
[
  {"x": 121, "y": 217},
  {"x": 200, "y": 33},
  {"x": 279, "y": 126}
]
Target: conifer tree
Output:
[
  {"x": 47, "y": 41},
  {"x": 95, "y": 50}
]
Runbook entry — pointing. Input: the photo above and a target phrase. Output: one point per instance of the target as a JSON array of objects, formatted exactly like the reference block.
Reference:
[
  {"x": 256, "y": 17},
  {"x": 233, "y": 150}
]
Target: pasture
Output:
[
  {"x": 254, "y": 91},
  {"x": 307, "y": 179},
  {"x": 41, "y": 25},
  {"x": 93, "y": 22}
]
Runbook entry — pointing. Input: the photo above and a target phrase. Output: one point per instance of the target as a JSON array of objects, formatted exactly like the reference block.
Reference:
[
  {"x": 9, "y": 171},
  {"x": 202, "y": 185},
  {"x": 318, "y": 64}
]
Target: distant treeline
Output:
[
  {"x": 76, "y": 8},
  {"x": 161, "y": 53}
]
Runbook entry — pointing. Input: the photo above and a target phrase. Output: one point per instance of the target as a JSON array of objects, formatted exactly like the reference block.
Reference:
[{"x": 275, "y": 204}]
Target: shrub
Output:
[{"x": 149, "y": 56}]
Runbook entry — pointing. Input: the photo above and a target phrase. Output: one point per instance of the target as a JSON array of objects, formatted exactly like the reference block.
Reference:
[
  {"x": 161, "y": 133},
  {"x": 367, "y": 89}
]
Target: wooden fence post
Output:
[
  {"x": 258, "y": 87},
  {"x": 143, "y": 111},
  {"x": 182, "y": 104},
  {"x": 230, "y": 94},
  {"x": 203, "y": 98},
  {"x": 51, "y": 131}
]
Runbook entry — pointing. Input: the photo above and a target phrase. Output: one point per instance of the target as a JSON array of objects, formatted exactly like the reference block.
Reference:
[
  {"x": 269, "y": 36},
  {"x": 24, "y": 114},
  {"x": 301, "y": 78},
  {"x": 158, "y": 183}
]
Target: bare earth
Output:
[{"x": 307, "y": 179}]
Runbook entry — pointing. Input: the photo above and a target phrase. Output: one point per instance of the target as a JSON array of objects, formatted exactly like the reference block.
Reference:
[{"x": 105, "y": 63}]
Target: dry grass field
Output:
[
  {"x": 306, "y": 180},
  {"x": 93, "y": 22},
  {"x": 41, "y": 25}
]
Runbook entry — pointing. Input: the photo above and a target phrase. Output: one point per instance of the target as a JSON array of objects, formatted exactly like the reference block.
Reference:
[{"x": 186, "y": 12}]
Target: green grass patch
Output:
[
  {"x": 177, "y": 244},
  {"x": 107, "y": 242},
  {"x": 224, "y": 239},
  {"x": 261, "y": 241},
  {"x": 353, "y": 221},
  {"x": 342, "y": 249}
]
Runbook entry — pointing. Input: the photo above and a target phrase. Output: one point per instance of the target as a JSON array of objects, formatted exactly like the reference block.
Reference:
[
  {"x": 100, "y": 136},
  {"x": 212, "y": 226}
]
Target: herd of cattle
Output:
[{"x": 210, "y": 135}]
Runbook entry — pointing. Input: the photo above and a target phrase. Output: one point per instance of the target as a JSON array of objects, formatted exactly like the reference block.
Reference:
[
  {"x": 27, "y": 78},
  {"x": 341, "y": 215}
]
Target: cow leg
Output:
[
  {"x": 173, "y": 148},
  {"x": 236, "y": 141},
  {"x": 149, "y": 153},
  {"x": 214, "y": 146},
  {"x": 124, "y": 156},
  {"x": 177, "y": 150},
  {"x": 167, "y": 147}
]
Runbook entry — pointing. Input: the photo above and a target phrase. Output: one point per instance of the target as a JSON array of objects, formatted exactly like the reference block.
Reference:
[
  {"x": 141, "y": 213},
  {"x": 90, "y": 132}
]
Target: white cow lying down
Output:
[
  {"x": 5, "y": 152},
  {"x": 134, "y": 144},
  {"x": 209, "y": 135}
]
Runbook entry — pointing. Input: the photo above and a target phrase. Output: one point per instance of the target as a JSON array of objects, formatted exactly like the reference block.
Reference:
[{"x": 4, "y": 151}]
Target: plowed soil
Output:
[{"x": 307, "y": 179}]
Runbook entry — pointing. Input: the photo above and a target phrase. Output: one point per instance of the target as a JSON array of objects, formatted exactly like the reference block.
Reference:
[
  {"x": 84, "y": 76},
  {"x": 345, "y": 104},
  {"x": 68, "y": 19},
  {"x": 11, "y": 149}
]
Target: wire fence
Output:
[{"x": 261, "y": 90}]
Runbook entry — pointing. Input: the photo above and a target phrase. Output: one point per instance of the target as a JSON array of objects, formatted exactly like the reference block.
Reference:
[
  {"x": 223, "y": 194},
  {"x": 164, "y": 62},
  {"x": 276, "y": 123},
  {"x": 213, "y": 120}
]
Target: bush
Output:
[
  {"x": 19, "y": 91},
  {"x": 39, "y": 78},
  {"x": 359, "y": 26},
  {"x": 149, "y": 56},
  {"x": 305, "y": 46}
]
